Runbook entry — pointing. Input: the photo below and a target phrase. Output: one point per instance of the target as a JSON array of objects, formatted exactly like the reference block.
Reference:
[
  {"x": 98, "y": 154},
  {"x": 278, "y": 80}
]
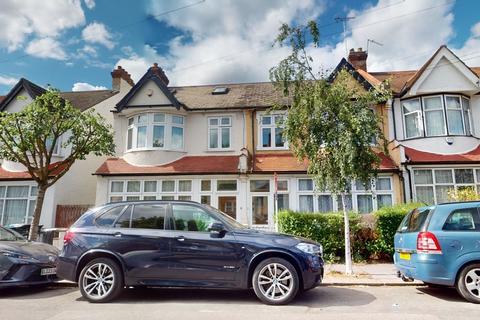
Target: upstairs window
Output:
[
  {"x": 155, "y": 131},
  {"x": 219, "y": 132},
  {"x": 439, "y": 115},
  {"x": 271, "y": 132}
]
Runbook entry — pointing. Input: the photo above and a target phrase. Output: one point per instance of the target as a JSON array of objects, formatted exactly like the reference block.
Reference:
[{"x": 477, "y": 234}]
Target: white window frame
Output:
[
  {"x": 273, "y": 127},
  {"x": 425, "y": 126},
  {"x": 29, "y": 198},
  {"x": 219, "y": 128},
  {"x": 167, "y": 124},
  {"x": 419, "y": 116}
]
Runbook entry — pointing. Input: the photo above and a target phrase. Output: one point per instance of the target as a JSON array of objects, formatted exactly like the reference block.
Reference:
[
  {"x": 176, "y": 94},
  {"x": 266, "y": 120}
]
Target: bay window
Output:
[
  {"x": 219, "y": 132},
  {"x": 17, "y": 203},
  {"x": 437, "y": 115},
  {"x": 271, "y": 132},
  {"x": 155, "y": 131}
]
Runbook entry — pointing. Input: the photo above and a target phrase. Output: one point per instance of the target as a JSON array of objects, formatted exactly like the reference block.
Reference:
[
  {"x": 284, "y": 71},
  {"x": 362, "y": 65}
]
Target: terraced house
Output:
[{"x": 220, "y": 145}]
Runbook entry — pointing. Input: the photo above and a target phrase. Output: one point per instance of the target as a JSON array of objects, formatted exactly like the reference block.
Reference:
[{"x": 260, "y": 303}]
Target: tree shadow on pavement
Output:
[
  {"x": 320, "y": 297},
  {"x": 34, "y": 292},
  {"x": 444, "y": 293}
]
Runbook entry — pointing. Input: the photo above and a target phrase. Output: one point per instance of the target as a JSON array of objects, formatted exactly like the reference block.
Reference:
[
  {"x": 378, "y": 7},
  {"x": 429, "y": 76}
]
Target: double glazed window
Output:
[
  {"x": 219, "y": 133},
  {"x": 271, "y": 132},
  {"x": 133, "y": 190},
  {"x": 17, "y": 203},
  {"x": 155, "y": 130},
  {"x": 432, "y": 185},
  {"x": 439, "y": 115}
]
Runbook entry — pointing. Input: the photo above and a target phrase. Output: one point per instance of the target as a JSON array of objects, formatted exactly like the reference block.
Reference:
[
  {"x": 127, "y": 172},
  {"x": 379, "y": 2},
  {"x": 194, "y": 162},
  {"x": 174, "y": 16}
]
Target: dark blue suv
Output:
[{"x": 183, "y": 244}]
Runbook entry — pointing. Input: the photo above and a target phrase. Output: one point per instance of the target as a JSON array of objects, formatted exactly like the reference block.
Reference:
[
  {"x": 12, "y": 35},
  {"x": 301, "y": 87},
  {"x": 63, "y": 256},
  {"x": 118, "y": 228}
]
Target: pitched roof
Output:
[
  {"x": 79, "y": 99},
  {"x": 1, "y": 98},
  {"x": 367, "y": 81},
  {"x": 184, "y": 165},
  {"x": 421, "y": 157},
  {"x": 25, "y": 175}
]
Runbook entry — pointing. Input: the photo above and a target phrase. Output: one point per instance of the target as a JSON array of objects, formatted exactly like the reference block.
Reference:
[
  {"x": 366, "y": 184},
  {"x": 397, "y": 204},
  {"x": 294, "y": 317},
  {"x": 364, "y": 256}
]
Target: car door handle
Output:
[
  {"x": 117, "y": 234},
  {"x": 181, "y": 238}
]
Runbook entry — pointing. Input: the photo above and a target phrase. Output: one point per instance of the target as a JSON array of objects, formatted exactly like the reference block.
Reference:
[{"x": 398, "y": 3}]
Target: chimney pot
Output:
[{"x": 118, "y": 75}]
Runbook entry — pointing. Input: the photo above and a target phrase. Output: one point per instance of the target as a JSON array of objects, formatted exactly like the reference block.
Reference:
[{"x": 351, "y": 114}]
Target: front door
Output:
[
  {"x": 260, "y": 216},
  {"x": 197, "y": 257},
  {"x": 228, "y": 205}
]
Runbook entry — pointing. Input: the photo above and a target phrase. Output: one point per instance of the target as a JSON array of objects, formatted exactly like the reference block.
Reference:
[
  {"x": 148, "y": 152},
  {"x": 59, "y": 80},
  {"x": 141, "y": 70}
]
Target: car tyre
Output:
[
  {"x": 468, "y": 283},
  {"x": 101, "y": 280},
  {"x": 275, "y": 281}
]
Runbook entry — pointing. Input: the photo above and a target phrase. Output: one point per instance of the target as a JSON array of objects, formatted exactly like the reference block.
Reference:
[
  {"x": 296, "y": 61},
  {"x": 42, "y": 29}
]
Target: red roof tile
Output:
[
  {"x": 422, "y": 157},
  {"x": 24, "y": 175},
  {"x": 185, "y": 165}
]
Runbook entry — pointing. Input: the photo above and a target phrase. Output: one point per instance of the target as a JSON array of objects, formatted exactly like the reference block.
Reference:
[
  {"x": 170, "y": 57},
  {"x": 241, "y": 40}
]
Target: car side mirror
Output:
[{"x": 217, "y": 229}]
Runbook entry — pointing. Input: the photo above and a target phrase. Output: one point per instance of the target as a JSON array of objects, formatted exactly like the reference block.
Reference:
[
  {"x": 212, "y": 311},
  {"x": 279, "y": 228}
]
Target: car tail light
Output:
[
  {"x": 68, "y": 236},
  {"x": 427, "y": 242}
]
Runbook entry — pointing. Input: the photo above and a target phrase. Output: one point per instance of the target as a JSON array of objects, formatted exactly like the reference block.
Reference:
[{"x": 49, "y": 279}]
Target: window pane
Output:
[
  {"x": 185, "y": 185},
  {"x": 325, "y": 203},
  {"x": 305, "y": 184},
  {"x": 108, "y": 218},
  {"x": 168, "y": 186},
  {"x": 384, "y": 200},
  {"x": 282, "y": 185},
  {"x": 360, "y": 186},
  {"x": 455, "y": 124},
  {"x": 117, "y": 186},
  {"x": 142, "y": 137},
  {"x": 17, "y": 192},
  {"x": 168, "y": 198},
  {"x": 433, "y": 103},
  {"x": 2, "y": 191},
  {"x": 205, "y": 200},
  {"x": 260, "y": 186},
  {"x": 305, "y": 203},
  {"x": 364, "y": 203},
  {"x": 33, "y": 191},
  {"x": 150, "y": 186},
  {"x": 412, "y": 125},
  {"x": 177, "y": 119},
  {"x": 213, "y": 138},
  {"x": 443, "y": 176},
  {"x": 227, "y": 185},
  {"x": 423, "y": 176},
  {"x": 411, "y": 105},
  {"x": 226, "y": 121},
  {"x": 213, "y": 121},
  {"x": 425, "y": 194},
  {"x": 124, "y": 220},
  {"x": 190, "y": 218},
  {"x": 383, "y": 184},
  {"x": 15, "y": 211},
  {"x": 149, "y": 198},
  {"x": 159, "y": 117},
  {"x": 133, "y": 198},
  {"x": 348, "y": 200},
  {"x": 177, "y": 138},
  {"x": 147, "y": 216},
  {"x": 133, "y": 186},
  {"x": 282, "y": 202},
  {"x": 260, "y": 210},
  {"x": 279, "y": 138},
  {"x": 279, "y": 120},
  {"x": 266, "y": 120},
  {"x": 206, "y": 185},
  {"x": 31, "y": 209},
  {"x": 453, "y": 102},
  {"x": 434, "y": 123},
  {"x": 129, "y": 138},
  {"x": 463, "y": 220},
  {"x": 130, "y": 121},
  {"x": 464, "y": 175},
  {"x": 266, "y": 137},
  {"x": 225, "y": 138},
  {"x": 116, "y": 199},
  {"x": 466, "y": 115},
  {"x": 185, "y": 198},
  {"x": 143, "y": 118},
  {"x": 158, "y": 136},
  {"x": 442, "y": 193}
]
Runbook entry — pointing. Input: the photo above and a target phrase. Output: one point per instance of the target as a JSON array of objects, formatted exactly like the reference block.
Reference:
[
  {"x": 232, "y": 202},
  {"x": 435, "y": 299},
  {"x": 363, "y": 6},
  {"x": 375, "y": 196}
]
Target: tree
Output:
[
  {"x": 329, "y": 123},
  {"x": 30, "y": 136}
]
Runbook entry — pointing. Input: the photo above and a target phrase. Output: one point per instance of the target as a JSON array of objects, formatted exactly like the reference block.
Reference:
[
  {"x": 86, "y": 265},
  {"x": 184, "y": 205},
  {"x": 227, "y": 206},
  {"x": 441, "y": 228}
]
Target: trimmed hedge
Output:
[{"x": 371, "y": 235}]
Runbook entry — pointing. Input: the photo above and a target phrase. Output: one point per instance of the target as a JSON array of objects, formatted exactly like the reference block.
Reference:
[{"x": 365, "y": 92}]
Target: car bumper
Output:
[
  {"x": 26, "y": 274},
  {"x": 313, "y": 275},
  {"x": 66, "y": 269},
  {"x": 425, "y": 267}
]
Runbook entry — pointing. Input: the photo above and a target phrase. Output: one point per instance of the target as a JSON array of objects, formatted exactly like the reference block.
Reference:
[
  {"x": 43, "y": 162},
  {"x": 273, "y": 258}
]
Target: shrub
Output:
[{"x": 465, "y": 194}]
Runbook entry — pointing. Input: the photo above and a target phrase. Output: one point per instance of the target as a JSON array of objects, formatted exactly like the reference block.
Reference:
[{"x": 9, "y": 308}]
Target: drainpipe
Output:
[
  {"x": 253, "y": 141},
  {"x": 394, "y": 122},
  {"x": 409, "y": 181}
]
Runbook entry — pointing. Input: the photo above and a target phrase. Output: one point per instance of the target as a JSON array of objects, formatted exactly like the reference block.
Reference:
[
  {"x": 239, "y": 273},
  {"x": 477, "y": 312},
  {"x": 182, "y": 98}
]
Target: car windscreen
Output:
[
  {"x": 414, "y": 221},
  {"x": 8, "y": 235}
]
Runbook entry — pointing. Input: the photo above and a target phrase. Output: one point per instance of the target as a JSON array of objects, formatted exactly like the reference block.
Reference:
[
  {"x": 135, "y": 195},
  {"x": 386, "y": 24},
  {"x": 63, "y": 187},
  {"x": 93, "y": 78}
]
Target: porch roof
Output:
[{"x": 415, "y": 156}]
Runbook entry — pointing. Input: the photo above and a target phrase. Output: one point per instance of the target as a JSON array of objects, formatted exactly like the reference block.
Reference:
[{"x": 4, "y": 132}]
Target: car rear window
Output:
[
  {"x": 414, "y": 221},
  {"x": 108, "y": 218}
]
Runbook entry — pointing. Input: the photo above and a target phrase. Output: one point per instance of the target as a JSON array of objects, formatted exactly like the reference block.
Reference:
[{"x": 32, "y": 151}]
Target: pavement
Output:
[{"x": 324, "y": 302}]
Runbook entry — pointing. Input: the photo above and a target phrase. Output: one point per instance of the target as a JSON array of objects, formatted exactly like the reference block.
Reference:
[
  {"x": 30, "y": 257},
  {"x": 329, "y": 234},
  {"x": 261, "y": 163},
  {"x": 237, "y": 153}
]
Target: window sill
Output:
[
  {"x": 154, "y": 149},
  {"x": 273, "y": 149}
]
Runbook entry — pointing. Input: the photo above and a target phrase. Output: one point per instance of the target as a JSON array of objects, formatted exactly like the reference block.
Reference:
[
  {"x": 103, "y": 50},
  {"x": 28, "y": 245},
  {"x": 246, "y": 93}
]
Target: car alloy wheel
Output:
[
  {"x": 100, "y": 280},
  {"x": 468, "y": 283},
  {"x": 275, "y": 281},
  {"x": 472, "y": 282}
]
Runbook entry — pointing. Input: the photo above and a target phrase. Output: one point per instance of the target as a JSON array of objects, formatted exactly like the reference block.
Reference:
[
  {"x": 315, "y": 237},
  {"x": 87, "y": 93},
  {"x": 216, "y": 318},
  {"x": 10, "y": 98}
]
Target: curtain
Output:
[
  {"x": 282, "y": 201},
  {"x": 455, "y": 124},
  {"x": 177, "y": 138},
  {"x": 15, "y": 211},
  {"x": 325, "y": 203},
  {"x": 434, "y": 123},
  {"x": 425, "y": 194},
  {"x": 383, "y": 184},
  {"x": 384, "y": 200},
  {"x": 305, "y": 184},
  {"x": 412, "y": 125},
  {"x": 306, "y": 203},
  {"x": 423, "y": 176},
  {"x": 443, "y": 176},
  {"x": 463, "y": 175},
  {"x": 158, "y": 136},
  {"x": 364, "y": 203}
]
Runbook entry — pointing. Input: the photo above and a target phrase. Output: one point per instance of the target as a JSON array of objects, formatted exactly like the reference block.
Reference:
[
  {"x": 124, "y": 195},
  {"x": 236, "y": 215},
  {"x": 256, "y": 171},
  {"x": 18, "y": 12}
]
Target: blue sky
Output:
[{"x": 74, "y": 44}]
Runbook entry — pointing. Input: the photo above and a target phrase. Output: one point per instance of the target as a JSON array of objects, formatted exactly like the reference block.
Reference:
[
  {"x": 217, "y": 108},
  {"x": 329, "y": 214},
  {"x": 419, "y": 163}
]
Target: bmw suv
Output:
[{"x": 183, "y": 244}]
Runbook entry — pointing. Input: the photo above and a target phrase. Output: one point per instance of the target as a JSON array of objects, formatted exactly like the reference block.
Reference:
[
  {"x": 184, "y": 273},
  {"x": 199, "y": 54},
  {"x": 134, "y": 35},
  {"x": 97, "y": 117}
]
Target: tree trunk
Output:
[
  {"x": 33, "y": 234},
  {"x": 348, "y": 253}
]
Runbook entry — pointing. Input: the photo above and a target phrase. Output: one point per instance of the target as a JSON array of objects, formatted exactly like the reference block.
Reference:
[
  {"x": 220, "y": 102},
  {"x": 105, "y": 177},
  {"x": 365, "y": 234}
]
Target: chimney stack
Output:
[
  {"x": 118, "y": 75},
  {"x": 160, "y": 73},
  {"x": 358, "y": 59}
]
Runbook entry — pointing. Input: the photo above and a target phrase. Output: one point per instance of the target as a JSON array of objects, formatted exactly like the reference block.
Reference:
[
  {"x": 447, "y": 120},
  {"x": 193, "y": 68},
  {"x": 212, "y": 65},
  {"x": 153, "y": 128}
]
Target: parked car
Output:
[
  {"x": 440, "y": 245},
  {"x": 24, "y": 262},
  {"x": 183, "y": 244}
]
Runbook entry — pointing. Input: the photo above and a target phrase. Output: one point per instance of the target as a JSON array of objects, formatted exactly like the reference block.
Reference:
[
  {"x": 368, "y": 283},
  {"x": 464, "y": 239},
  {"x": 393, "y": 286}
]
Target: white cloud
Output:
[
  {"x": 7, "y": 81},
  {"x": 96, "y": 32},
  {"x": 90, "y": 4},
  {"x": 46, "y": 48},
  {"x": 84, "y": 86},
  {"x": 21, "y": 19}
]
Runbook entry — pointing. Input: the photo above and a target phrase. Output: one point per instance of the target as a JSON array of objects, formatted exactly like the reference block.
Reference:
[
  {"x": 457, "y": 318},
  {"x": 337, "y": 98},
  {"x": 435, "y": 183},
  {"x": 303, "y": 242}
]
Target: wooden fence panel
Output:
[{"x": 66, "y": 215}]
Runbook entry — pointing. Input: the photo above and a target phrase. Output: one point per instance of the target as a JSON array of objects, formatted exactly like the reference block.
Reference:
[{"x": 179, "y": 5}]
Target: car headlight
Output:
[
  {"x": 310, "y": 248},
  {"x": 16, "y": 255}
]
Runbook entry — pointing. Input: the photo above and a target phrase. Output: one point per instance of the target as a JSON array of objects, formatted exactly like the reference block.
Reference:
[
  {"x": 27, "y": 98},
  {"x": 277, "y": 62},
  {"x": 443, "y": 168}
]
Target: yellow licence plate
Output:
[{"x": 404, "y": 256}]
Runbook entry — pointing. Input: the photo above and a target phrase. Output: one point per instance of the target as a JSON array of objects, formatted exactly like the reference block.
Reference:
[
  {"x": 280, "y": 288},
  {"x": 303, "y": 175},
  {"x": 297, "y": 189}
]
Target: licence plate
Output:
[
  {"x": 405, "y": 256},
  {"x": 48, "y": 271}
]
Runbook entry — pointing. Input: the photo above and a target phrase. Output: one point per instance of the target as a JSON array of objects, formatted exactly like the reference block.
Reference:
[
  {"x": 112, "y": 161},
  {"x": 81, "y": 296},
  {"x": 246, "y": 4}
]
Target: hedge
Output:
[{"x": 371, "y": 235}]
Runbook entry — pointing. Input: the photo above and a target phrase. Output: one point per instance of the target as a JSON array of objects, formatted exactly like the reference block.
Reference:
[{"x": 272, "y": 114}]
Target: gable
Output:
[
  {"x": 445, "y": 72},
  {"x": 17, "y": 102},
  {"x": 149, "y": 95}
]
